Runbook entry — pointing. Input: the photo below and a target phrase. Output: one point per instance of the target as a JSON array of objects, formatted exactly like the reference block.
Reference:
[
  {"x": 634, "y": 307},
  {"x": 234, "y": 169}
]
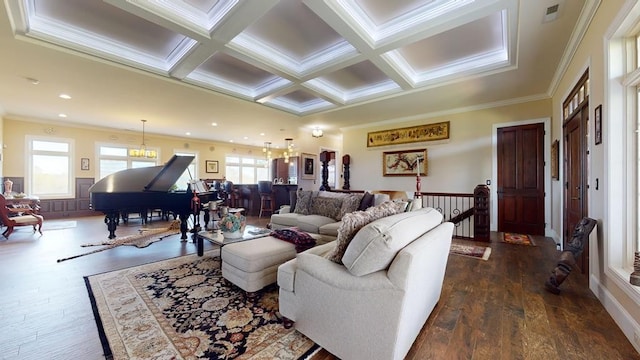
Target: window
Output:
[
  {"x": 49, "y": 168},
  {"x": 620, "y": 139},
  {"x": 246, "y": 169},
  {"x": 190, "y": 173},
  {"x": 114, "y": 158}
]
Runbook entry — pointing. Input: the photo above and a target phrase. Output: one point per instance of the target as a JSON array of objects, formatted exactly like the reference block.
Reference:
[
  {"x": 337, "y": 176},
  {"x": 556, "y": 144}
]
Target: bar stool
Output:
[
  {"x": 266, "y": 197},
  {"x": 233, "y": 197}
]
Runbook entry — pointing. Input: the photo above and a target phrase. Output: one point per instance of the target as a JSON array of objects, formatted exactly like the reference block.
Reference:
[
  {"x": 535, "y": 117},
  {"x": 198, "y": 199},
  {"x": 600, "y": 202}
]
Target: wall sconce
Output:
[{"x": 317, "y": 132}]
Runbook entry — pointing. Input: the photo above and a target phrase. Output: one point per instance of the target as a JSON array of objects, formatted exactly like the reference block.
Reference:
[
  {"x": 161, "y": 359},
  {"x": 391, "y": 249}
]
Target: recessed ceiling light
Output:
[
  {"x": 214, "y": 124},
  {"x": 230, "y": 140},
  {"x": 187, "y": 133},
  {"x": 62, "y": 115},
  {"x": 64, "y": 96},
  {"x": 246, "y": 138},
  {"x": 34, "y": 81},
  {"x": 261, "y": 134}
]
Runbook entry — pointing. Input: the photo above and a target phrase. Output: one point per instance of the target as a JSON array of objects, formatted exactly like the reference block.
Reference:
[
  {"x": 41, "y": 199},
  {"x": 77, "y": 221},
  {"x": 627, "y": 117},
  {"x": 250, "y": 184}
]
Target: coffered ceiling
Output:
[{"x": 327, "y": 63}]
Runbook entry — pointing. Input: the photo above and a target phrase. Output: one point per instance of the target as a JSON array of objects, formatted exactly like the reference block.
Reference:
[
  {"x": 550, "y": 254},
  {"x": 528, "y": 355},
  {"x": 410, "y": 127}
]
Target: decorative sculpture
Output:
[
  {"x": 346, "y": 161},
  {"x": 324, "y": 159},
  {"x": 568, "y": 257}
]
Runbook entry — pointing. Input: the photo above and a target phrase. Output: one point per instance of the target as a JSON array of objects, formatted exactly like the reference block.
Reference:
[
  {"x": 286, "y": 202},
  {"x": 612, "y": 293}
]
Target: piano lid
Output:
[{"x": 156, "y": 178}]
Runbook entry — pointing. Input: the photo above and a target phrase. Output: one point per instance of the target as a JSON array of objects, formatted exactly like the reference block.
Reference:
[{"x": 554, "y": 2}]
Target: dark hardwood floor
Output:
[{"x": 494, "y": 309}]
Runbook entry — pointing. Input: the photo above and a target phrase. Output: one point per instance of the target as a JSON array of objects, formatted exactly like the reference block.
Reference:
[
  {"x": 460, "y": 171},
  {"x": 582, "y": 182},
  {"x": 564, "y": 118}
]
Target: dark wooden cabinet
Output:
[{"x": 288, "y": 172}]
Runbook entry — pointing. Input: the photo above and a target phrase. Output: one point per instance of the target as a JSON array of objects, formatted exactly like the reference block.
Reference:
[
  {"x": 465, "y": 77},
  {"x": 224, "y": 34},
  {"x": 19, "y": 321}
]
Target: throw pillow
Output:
[
  {"x": 349, "y": 204},
  {"x": 303, "y": 204},
  {"x": 366, "y": 202},
  {"x": 324, "y": 206},
  {"x": 293, "y": 199},
  {"x": 300, "y": 239},
  {"x": 353, "y": 222}
]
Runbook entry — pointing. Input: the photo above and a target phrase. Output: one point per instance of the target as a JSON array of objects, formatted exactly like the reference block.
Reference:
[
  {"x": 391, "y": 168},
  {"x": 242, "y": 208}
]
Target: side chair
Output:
[{"x": 12, "y": 217}]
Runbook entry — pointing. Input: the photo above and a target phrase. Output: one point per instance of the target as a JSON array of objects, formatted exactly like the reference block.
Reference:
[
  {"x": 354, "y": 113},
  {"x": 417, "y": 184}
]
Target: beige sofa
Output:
[
  {"x": 315, "y": 218},
  {"x": 374, "y": 304}
]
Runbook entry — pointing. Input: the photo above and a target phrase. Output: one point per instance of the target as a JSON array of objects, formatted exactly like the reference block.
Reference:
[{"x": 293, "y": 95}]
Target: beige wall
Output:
[
  {"x": 591, "y": 55},
  {"x": 85, "y": 138},
  {"x": 454, "y": 165}
]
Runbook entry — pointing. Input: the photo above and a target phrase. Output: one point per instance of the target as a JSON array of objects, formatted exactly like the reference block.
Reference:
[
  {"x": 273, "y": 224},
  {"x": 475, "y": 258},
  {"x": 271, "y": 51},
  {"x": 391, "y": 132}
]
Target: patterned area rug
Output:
[
  {"x": 519, "y": 239},
  {"x": 182, "y": 309},
  {"x": 474, "y": 251}
]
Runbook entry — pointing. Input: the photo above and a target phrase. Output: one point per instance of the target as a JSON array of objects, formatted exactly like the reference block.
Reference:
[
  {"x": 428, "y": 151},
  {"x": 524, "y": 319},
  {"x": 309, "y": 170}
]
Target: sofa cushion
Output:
[
  {"x": 312, "y": 223},
  {"x": 330, "y": 229},
  {"x": 303, "y": 203},
  {"x": 286, "y": 219},
  {"x": 326, "y": 206},
  {"x": 355, "y": 221},
  {"x": 349, "y": 204},
  {"x": 375, "y": 245}
]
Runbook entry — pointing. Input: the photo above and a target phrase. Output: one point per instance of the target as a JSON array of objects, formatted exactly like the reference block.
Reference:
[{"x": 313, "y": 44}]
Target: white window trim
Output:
[
  {"x": 619, "y": 141},
  {"x": 29, "y": 163}
]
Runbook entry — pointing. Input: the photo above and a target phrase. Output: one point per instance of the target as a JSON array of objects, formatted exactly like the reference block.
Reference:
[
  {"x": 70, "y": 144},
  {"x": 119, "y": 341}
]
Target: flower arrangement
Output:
[{"x": 233, "y": 223}]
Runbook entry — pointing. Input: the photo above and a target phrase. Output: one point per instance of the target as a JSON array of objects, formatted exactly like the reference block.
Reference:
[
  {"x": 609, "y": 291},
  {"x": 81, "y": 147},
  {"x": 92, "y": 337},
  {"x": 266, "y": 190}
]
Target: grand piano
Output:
[{"x": 143, "y": 189}]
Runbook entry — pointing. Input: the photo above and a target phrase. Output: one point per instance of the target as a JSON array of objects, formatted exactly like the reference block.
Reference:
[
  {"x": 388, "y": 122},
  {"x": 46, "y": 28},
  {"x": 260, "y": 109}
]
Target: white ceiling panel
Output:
[{"x": 310, "y": 59}]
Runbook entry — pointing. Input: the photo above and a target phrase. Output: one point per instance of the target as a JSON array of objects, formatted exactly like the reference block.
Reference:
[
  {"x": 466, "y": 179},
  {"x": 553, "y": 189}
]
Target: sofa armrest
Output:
[
  {"x": 337, "y": 275},
  {"x": 284, "y": 209}
]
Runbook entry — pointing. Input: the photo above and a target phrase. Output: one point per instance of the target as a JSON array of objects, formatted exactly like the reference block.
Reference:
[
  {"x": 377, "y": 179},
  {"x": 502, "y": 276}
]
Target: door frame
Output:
[{"x": 547, "y": 170}]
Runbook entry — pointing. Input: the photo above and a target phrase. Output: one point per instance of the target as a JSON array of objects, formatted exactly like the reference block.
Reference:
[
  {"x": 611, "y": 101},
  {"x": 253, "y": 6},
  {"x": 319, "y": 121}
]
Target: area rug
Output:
[
  {"x": 145, "y": 238},
  {"x": 519, "y": 239},
  {"x": 182, "y": 309},
  {"x": 474, "y": 251}
]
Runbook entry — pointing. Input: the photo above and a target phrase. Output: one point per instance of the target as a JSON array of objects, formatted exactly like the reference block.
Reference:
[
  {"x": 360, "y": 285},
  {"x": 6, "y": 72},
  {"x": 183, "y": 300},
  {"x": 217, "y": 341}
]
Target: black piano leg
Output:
[
  {"x": 111, "y": 219},
  {"x": 183, "y": 227}
]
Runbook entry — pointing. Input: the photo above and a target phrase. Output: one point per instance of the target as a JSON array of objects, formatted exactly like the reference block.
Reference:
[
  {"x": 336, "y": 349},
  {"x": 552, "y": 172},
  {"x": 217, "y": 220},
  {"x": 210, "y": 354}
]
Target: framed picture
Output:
[
  {"x": 555, "y": 159},
  {"x": 309, "y": 163},
  {"x": 211, "y": 166},
  {"x": 420, "y": 133},
  {"x": 84, "y": 164},
  {"x": 598, "y": 124},
  {"x": 404, "y": 163}
]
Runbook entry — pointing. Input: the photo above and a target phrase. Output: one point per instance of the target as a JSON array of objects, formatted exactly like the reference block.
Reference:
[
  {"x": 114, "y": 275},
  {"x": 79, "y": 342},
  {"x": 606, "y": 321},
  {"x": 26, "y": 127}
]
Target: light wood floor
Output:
[{"x": 494, "y": 309}]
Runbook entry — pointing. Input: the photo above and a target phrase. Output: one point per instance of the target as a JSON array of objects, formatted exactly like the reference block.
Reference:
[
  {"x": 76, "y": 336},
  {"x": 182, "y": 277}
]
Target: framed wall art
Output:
[
  {"x": 428, "y": 132},
  {"x": 404, "y": 163},
  {"x": 598, "y": 125},
  {"x": 309, "y": 164},
  {"x": 555, "y": 160},
  {"x": 84, "y": 164},
  {"x": 211, "y": 166}
]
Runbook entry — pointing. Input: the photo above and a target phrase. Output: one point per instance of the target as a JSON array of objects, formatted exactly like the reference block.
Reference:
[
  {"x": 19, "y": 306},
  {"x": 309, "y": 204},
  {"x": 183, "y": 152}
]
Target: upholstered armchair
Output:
[
  {"x": 374, "y": 305},
  {"x": 18, "y": 217}
]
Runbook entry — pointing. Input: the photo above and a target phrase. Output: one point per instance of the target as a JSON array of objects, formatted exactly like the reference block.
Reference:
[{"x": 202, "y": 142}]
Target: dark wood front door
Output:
[
  {"x": 575, "y": 195},
  {"x": 521, "y": 179}
]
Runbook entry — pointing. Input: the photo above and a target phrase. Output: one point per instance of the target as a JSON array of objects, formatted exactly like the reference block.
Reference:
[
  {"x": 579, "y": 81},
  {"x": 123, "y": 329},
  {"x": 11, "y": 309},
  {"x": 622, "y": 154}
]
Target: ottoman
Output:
[{"x": 253, "y": 264}]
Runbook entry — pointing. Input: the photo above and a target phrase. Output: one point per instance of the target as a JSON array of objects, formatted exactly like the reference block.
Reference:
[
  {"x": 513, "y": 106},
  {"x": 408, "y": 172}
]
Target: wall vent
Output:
[{"x": 551, "y": 13}]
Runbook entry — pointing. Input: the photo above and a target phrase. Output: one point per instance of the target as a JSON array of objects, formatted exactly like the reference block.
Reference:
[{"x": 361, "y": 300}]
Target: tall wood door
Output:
[
  {"x": 521, "y": 179},
  {"x": 575, "y": 175}
]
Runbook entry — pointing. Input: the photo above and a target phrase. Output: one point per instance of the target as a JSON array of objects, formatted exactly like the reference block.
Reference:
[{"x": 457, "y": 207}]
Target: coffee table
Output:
[{"x": 215, "y": 236}]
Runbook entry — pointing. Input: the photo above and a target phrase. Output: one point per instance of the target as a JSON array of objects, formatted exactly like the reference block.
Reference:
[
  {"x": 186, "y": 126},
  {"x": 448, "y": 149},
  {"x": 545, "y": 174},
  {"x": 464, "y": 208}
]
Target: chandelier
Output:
[
  {"x": 143, "y": 152},
  {"x": 317, "y": 132},
  {"x": 266, "y": 149},
  {"x": 288, "y": 152}
]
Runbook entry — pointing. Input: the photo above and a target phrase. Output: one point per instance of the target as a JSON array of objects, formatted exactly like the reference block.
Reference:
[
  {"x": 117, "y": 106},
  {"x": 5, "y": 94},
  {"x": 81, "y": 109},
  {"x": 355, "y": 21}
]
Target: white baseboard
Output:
[{"x": 624, "y": 320}]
